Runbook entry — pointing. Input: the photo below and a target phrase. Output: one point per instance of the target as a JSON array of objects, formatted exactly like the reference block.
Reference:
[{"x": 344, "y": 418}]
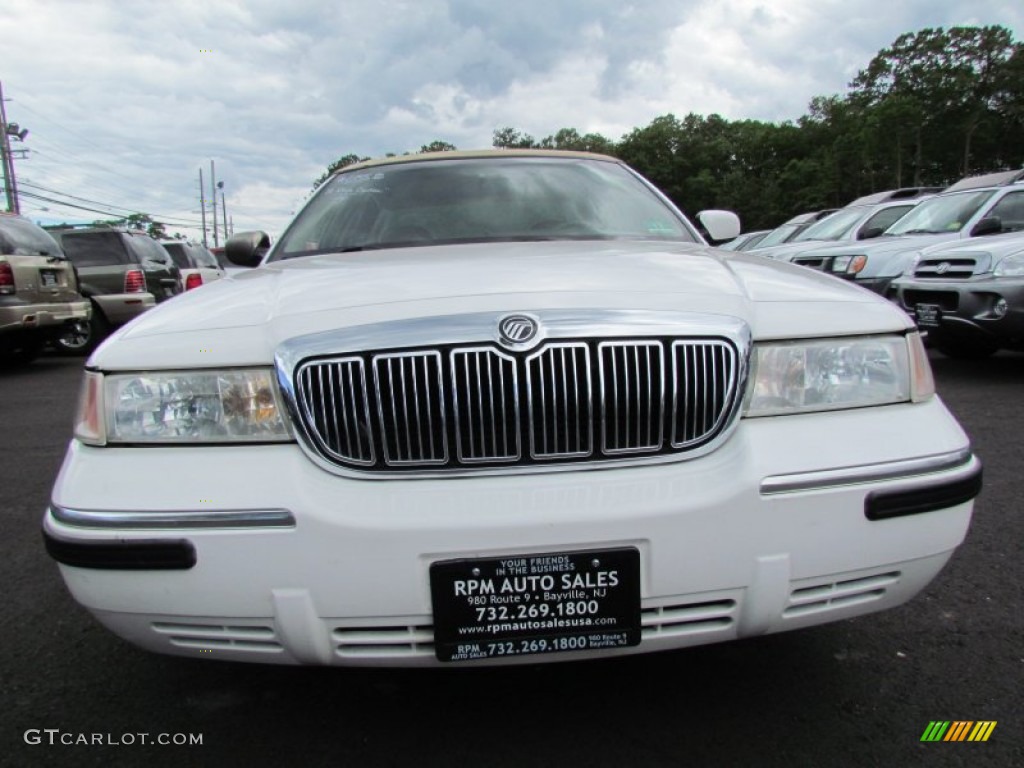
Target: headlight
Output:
[
  {"x": 1011, "y": 266},
  {"x": 849, "y": 265},
  {"x": 181, "y": 407},
  {"x": 831, "y": 374}
]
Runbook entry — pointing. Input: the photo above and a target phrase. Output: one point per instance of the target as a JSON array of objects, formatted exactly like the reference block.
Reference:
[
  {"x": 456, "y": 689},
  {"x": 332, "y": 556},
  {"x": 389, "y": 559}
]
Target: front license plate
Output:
[
  {"x": 536, "y": 603},
  {"x": 48, "y": 278},
  {"x": 928, "y": 315}
]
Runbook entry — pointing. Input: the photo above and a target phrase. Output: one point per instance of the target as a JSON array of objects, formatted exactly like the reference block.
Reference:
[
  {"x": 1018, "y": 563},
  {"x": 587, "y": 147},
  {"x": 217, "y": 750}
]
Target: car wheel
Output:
[
  {"x": 83, "y": 336},
  {"x": 966, "y": 350}
]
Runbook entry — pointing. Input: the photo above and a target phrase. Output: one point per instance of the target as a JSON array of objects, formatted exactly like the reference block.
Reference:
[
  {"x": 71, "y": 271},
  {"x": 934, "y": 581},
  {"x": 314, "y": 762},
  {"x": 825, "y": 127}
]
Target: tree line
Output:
[{"x": 934, "y": 106}]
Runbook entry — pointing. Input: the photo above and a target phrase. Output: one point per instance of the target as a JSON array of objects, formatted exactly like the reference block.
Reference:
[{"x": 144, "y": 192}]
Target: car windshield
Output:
[
  {"x": 480, "y": 200},
  {"x": 779, "y": 235},
  {"x": 25, "y": 238},
  {"x": 945, "y": 213},
  {"x": 832, "y": 227}
]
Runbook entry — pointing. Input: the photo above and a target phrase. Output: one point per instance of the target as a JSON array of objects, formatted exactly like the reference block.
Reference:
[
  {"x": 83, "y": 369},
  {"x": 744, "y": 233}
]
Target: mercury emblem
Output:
[{"x": 517, "y": 329}]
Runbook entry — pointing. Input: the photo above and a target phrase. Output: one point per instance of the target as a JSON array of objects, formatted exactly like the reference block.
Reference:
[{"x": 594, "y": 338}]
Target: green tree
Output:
[
  {"x": 571, "y": 139},
  {"x": 341, "y": 162},
  {"x": 438, "y": 146},
  {"x": 933, "y": 90},
  {"x": 137, "y": 221},
  {"x": 510, "y": 138}
]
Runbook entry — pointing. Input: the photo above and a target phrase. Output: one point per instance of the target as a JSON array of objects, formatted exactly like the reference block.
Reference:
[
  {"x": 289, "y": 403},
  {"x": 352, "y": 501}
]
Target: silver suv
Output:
[
  {"x": 968, "y": 296},
  {"x": 981, "y": 205},
  {"x": 38, "y": 289}
]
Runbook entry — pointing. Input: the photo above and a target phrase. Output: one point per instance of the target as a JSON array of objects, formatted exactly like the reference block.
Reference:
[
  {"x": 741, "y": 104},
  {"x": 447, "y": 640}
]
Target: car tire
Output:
[
  {"x": 83, "y": 337},
  {"x": 966, "y": 350}
]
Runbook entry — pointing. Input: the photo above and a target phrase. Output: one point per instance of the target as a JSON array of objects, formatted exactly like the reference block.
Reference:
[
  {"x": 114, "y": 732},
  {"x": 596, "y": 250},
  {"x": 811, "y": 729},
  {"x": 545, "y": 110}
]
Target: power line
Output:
[
  {"x": 65, "y": 204},
  {"x": 107, "y": 205}
]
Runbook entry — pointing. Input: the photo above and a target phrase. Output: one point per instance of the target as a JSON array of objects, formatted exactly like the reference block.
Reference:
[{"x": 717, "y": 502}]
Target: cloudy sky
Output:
[{"x": 126, "y": 102}]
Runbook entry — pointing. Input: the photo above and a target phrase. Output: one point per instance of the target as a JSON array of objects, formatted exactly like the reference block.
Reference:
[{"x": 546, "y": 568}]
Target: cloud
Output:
[{"x": 127, "y": 103}]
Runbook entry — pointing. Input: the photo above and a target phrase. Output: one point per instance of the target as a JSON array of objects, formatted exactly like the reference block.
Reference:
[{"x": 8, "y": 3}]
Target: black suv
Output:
[{"x": 122, "y": 272}]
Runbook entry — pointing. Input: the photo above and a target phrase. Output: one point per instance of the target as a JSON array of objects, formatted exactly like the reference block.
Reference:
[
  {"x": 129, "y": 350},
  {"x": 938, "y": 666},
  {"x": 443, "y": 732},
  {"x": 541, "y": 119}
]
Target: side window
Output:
[
  {"x": 149, "y": 251},
  {"x": 1010, "y": 211},
  {"x": 884, "y": 219},
  {"x": 178, "y": 254},
  {"x": 94, "y": 249},
  {"x": 203, "y": 258}
]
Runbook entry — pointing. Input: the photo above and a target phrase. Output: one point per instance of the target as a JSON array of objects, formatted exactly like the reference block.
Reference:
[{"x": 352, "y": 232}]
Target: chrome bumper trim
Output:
[
  {"x": 869, "y": 473},
  {"x": 231, "y": 518}
]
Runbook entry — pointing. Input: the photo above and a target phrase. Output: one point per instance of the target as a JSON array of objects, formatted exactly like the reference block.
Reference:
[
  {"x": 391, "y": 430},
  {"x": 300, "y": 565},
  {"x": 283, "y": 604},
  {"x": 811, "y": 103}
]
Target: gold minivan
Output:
[{"x": 39, "y": 295}]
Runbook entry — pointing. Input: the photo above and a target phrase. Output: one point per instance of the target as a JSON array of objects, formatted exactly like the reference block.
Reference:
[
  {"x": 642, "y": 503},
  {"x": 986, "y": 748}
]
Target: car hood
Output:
[
  {"x": 786, "y": 251},
  {"x": 240, "y": 320},
  {"x": 996, "y": 246}
]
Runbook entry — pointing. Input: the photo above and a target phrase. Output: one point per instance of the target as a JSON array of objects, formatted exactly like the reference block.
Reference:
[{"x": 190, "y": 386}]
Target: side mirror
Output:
[
  {"x": 247, "y": 249},
  {"x": 720, "y": 226},
  {"x": 990, "y": 225},
  {"x": 870, "y": 233}
]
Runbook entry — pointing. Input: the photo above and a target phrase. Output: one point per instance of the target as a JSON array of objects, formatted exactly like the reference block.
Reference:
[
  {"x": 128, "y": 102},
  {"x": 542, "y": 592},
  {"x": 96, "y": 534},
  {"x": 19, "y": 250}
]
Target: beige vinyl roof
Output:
[{"x": 476, "y": 153}]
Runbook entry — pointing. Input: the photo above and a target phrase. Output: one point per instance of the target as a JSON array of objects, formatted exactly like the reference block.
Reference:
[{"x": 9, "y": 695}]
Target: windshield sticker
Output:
[{"x": 659, "y": 228}]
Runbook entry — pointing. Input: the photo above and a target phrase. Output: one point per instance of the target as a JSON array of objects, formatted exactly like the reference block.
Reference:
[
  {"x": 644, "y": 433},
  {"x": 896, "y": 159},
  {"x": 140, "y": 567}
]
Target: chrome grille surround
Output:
[{"x": 486, "y": 408}]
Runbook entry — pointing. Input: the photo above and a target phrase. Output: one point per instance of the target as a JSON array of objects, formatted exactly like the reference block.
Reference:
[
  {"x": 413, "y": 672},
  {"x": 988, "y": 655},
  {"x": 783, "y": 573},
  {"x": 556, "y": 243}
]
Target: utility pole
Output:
[
  {"x": 8, "y": 130},
  {"x": 213, "y": 194},
  {"x": 202, "y": 203},
  {"x": 223, "y": 210}
]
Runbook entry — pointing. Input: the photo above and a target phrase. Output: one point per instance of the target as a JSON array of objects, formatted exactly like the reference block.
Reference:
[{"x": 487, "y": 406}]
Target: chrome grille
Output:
[
  {"x": 959, "y": 268},
  {"x": 632, "y": 396},
  {"x": 485, "y": 387},
  {"x": 558, "y": 383},
  {"x": 411, "y": 408},
  {"x": 704, "y": 381},
  {"x": 473, "y": 406},
  {"x": 334, "y": 403}
]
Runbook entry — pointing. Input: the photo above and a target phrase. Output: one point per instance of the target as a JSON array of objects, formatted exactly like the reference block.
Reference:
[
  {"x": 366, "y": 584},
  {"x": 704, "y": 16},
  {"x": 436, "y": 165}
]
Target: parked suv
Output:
[
  {"x": 123, "y": 273},
  {"x": 849, "y": 224},
  {"x": 38, "y": 290},
  {"x": 790, "y": 229},
  {"x": 969, "y": 296},
  {"x": 198, "y": 266},
  {"x": 980, "y": 205}
]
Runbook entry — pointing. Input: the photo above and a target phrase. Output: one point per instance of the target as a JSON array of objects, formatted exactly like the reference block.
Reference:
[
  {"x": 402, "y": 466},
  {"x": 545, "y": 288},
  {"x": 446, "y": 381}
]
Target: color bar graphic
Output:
[{"x": 958, "y": 730}]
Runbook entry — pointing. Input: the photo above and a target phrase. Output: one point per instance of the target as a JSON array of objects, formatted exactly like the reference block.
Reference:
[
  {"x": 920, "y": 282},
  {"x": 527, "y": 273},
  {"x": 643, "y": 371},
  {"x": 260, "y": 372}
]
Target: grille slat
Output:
[{"x": 583, "y": 400}]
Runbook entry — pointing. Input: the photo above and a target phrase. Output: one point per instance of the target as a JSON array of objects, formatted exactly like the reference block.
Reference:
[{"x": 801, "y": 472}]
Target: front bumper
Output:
[
  {"x": 968, "y": 307},
  {"x": 294, "y": 565}
]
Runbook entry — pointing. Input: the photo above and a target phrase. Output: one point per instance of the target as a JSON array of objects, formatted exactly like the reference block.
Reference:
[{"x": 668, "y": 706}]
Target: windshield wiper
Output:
[{"x": 923, "y": 232}]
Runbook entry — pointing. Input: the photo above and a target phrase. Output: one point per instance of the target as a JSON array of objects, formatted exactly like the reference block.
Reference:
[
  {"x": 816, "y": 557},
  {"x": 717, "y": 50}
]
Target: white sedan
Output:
[{"x": 503, "y": 407}]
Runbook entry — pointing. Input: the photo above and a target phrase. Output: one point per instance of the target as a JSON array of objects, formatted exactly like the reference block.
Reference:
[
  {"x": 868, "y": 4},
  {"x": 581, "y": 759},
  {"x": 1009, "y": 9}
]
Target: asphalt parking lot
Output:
[{"x": 860, "y": 692}]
